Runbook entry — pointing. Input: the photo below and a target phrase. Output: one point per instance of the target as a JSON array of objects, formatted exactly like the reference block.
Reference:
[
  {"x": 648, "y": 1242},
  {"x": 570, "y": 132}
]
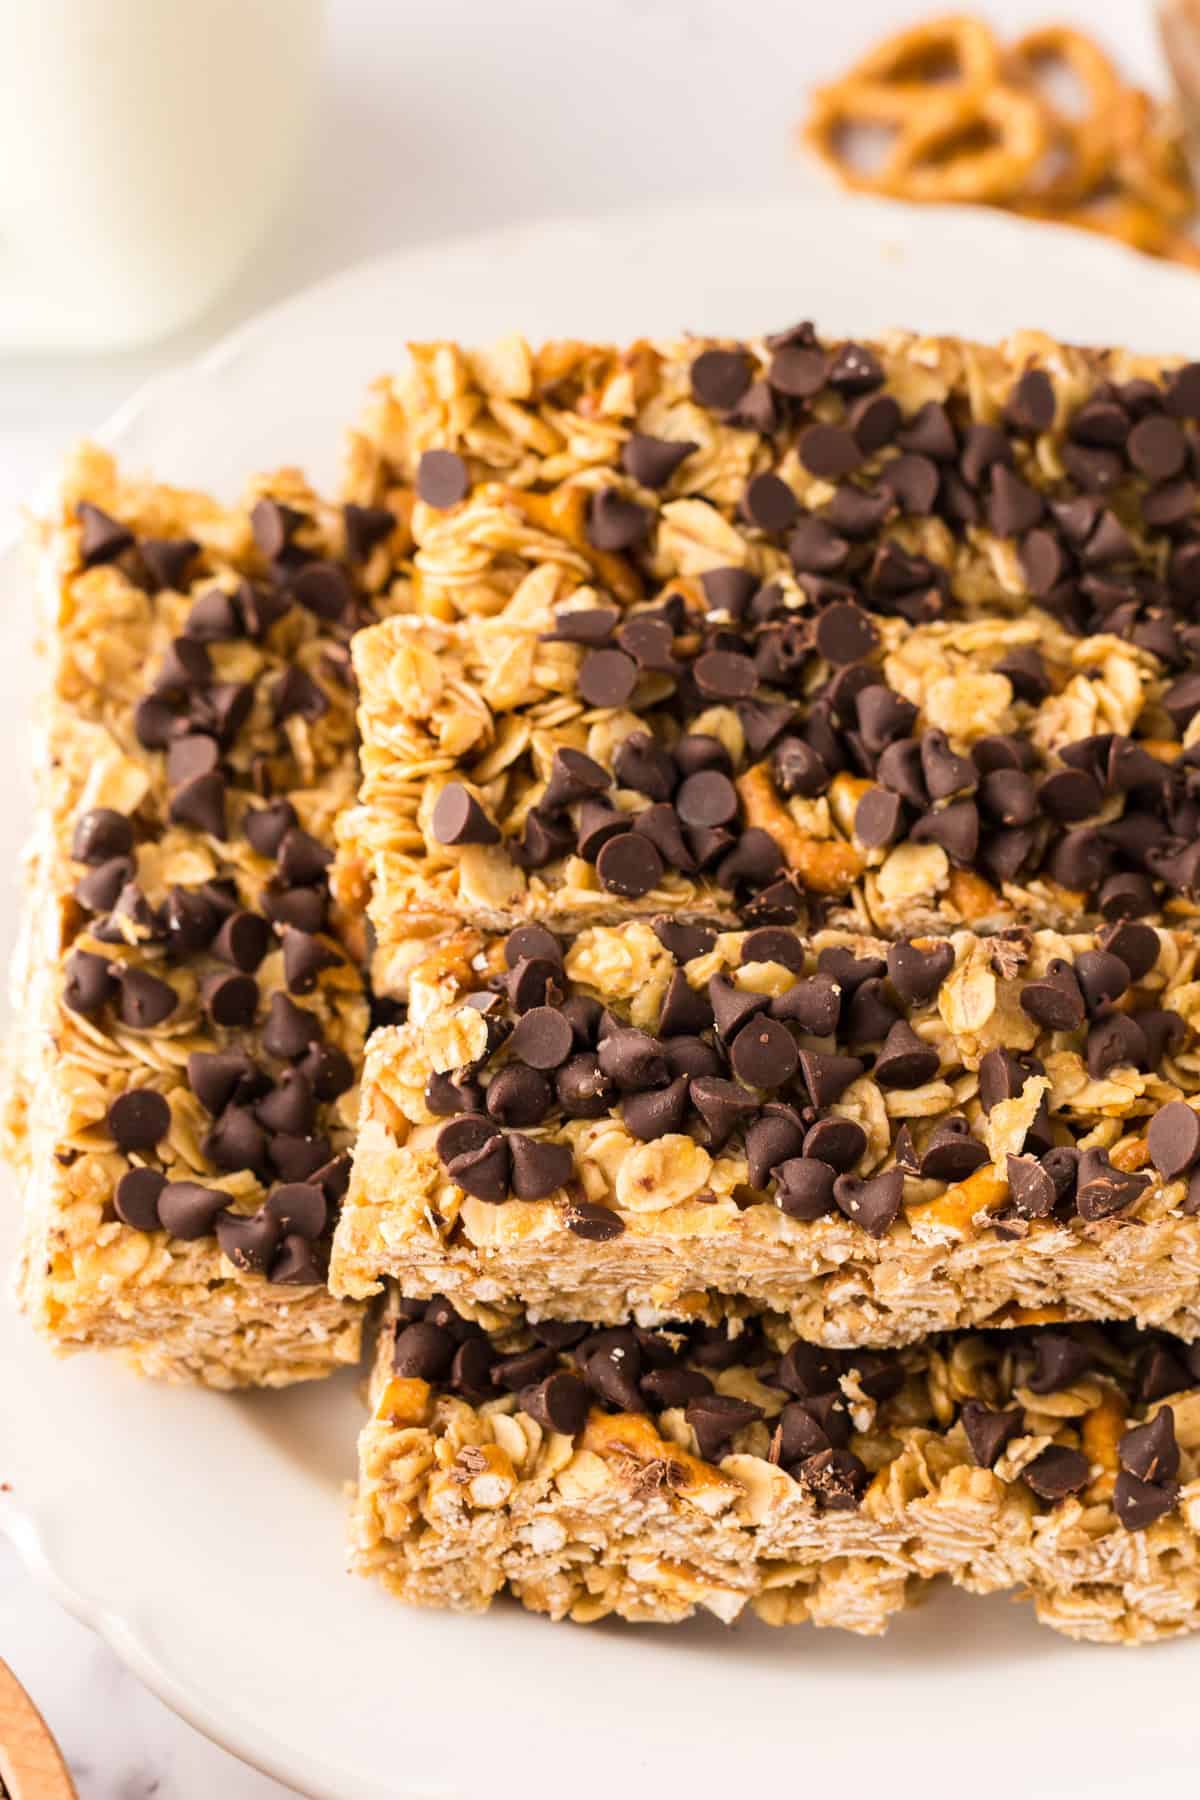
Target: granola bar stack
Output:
[{"x": 779, "y": 820}]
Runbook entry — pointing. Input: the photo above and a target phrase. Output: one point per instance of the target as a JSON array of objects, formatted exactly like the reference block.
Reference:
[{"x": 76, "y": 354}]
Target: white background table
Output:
[{"x": 436, "y": 119}]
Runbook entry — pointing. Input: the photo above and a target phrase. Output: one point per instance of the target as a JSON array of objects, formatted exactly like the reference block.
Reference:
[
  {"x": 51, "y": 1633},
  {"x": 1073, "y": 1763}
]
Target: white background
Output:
[{"x": 434, "y": 119}]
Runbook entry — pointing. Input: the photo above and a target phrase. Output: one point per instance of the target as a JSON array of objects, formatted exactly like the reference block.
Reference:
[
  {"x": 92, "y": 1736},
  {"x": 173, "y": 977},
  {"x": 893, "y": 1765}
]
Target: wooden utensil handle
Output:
[{"x": 31, "y": 1764}]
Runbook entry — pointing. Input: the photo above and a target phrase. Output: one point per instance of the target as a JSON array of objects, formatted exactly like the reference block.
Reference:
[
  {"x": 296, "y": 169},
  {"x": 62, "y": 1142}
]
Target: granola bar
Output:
[
  {"x": 902, "y": 626},
  {"x": 877, "y": 1141},
  {"x": 654, "y": 1473},
  {"x": 189, "y": 1023}
]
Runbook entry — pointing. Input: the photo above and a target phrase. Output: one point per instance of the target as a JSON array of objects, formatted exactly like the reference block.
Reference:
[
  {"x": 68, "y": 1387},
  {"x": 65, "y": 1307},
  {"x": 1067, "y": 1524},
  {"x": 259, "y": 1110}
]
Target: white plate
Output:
[{"x": 201, "y": 1534}]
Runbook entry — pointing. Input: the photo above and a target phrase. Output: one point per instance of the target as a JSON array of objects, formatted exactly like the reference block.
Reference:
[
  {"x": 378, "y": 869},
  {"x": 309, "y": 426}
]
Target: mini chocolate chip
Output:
[
  {"x": 813, "y": 1004},
  {"x": 458, "y": 818},
  {"x": 443, "y": 479},
  {"x": 828, "y": 1076},
  {"x": 879, "y": 819},
  {"x": 1138, "y": 1504},
  {"x": 1157, "y": 448},
  {"x": 531, "y": 941},
  {"x": 290, "y": 1029},
  {"x": 1055, "y": 1000},
  {"x": 719, "y": 378},
  {"x": 1173, "y": 1139},
  {"x": 558, "y": 1403},
  {"x": 774, "y": 1138},
  {"x": 200, "y": 802},
  {"x": 423, "y": 1352},
  {"x": 187, "y": 1210},
  {"x": 101, "y": 537},
  {"x": 1030, "y": 405},
  {"x": 630, "y": 865},
  {"x": 138, "y": 1119},
  {"x": 723, "y": 1105},
  {"x": 658, "y": 1111},
  {"x": 1057, "y": 1472},
  {"x": 725, "y": 675},
  {"x": 598, "y": 1224},
  {"x": 482, "y": 1170},
  {"x": 99, "y": 890},
  {"x": 536, "y": 981},
  {"x": 289, "y": 1107},
  {"x": 905, "y": 1061},
  {"x": 230, "y": 999},
  {"x": 144, "y": 1000},
  {"x": 732, "y": 1006},
  {"x": 838, "y": 1142},
  {"x": 542, "y": 1038},
  {"x": 874, "y": 1204},
  {"x": 773, "y": 945},
  {"x": 951, "y": 1152},
  {"x": 716, "y": 1419},
  {"x": 989, "y": 1431},
  {"x": 100, "y": 835},
  {"x": 298, "y": 1207},
  {"x": 770, "y": 503},
  {"x": 538, "y": 1168},
  {"x": 518, "y": 1095},
  {"x": 243, "y": 941},
  {"x": 684, "y": 939},
  {"x": 616, "y": 523},
  {"x": 763, "y": 1054},
  {"x": 707, "y": 798},
  {"x": 1102, "y": 978},
  {"x": 1151, "y": 1451},
  {"x": 582, "y": 1088},
  {"x": 804, "y": 1187},
  {"x": 89, "y": 982},
  {"x": 917, "y": 974},
  {"x": 684, "y": 1011},
  {"x": 844, "y": 633},
  {"x": 135, "y": 1198},
  {"x": 304, "y": 957},
  {"x": 1031, "y": 1190},
  {"x": 652, "y": 461},
  {"x": 1060, "y": 1361}
]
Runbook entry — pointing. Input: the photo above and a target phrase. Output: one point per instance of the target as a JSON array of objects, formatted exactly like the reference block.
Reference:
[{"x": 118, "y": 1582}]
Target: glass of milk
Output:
[{"x": 144, "y": 146}]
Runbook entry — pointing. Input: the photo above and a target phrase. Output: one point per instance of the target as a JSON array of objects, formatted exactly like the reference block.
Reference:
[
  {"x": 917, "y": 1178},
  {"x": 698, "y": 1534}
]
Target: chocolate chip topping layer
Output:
[
  {"x": 191, "y": 1021},
  {"x": 650, "y": 1471},
  {"x": 764, "y": 627},
  {"x": 875, "y": 1140}
]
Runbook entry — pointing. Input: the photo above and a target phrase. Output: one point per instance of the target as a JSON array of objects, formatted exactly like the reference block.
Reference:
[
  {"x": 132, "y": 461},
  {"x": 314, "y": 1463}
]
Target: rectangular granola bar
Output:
[
  {"x": 902, "y": 627},
  {"x": 654, "y": 1473},
  {"x": 876, "y": 1141},
  {"x": 189, "y": 1026}
]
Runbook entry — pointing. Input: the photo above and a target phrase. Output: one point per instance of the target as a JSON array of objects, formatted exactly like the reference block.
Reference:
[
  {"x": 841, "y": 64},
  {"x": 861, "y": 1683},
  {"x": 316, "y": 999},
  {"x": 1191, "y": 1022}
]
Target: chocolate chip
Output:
[
  {"x": 989, "y": 1431},
  {"x": 423, "y": 1352},
  {"x": 1031, "y": 1190},
  {"x": 1173, "y": 1139},
  {"x": 135, "y": 1198},
  {"x": 652, "y": 461},
  {"x": 883, "y": 717},
  {"x": 815, "y": 548},
  {"x": 458, "y": 818},
  {"x": 763, "y": 1054},
  {"x": 917, "y": 974},
  {"x": 1055, "y": 1000},
  {"x": 616, "y": 523},
  {"x": 249, "y": 1243},
  {"x": 100, "y": 889},
  {"x": 518, "y": 1095},
  {"x": 483, "y": 1169},
  {"x": 657, "y": 1112},
  {"x": 874, "y": 1204},
  {"x": 598, "y": 1224},
  {"x": 230, "y": 1000},
  {"x": 725, "y": 675},
  {"x": 776, "y": 1137},
  {"x": 874, "y": 420},
  {"x": 1057, "y": 1472},
  {"x": 200, "y": 802},
  {"x": 443, "y": 479},
  {"x": 827, "y": 1076},
  {"x": 879, "y": 819},
  {"x": 723, "y": 1105},
  {"x": 138, "y": 1119},
  {"x": 187, "y": 1210},
  {"x": 1101, "y": 1190},
  {"x": 1151, "y": 1451},
  {"x": 944, "y": 771},
  {"x": 1060, "y": 1361},
  {"x": 1138, "y": 1504},
  {"x": 836, "y": 1479},
  {"x": 798, "y": 370},
  {"x": 720, "y": 378},
  {"x": 289, "y": 1107},
  {"x": 844, "y": 633},
  {"x": 838, "y": 1142},
  {"x": 101, "y": 537},
  {"x": 542, "y": 1038},
  {"x": 804, "y": 1187},
  {"x": 1157, "y": 448},
  {"x": 770, "y": 503},
  {"x": 1030, "y": 404},
  {"x": 144, "y": 1000},
  {"x": 89, "y": 982},
  {"x": 632, "y": 1059},
  {"x": 100, "y": 835},
  {"x": 607, "y": 678},
  {"x": 304, "y": 957},
  {"x": 366, "y": 527},
  {"x": 290, "y": 1029},
  {"x": 716, "y": 1419},
  {"x": 538, "y": 1168},
  {"x": 951, "y": 1152},
  {"x": 707, "y": 798},
  {"x": 905, "y": 1060},
  {"x": 1102, "y": 978},
  {"x": 558, "y": 1403},
  {"x": 531, "y": 942},
  {"x": 299, "y": 1207},
  {"x": 629, "y": 864}
]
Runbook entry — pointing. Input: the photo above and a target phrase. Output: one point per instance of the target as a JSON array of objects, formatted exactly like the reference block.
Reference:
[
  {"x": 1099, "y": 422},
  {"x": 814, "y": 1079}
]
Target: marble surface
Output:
[{"x": 432, "y": 121}]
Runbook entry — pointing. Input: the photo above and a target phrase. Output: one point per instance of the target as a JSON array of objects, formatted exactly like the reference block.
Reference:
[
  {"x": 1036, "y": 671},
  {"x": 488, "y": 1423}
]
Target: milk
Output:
[{"x": 144, "y": 145}]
